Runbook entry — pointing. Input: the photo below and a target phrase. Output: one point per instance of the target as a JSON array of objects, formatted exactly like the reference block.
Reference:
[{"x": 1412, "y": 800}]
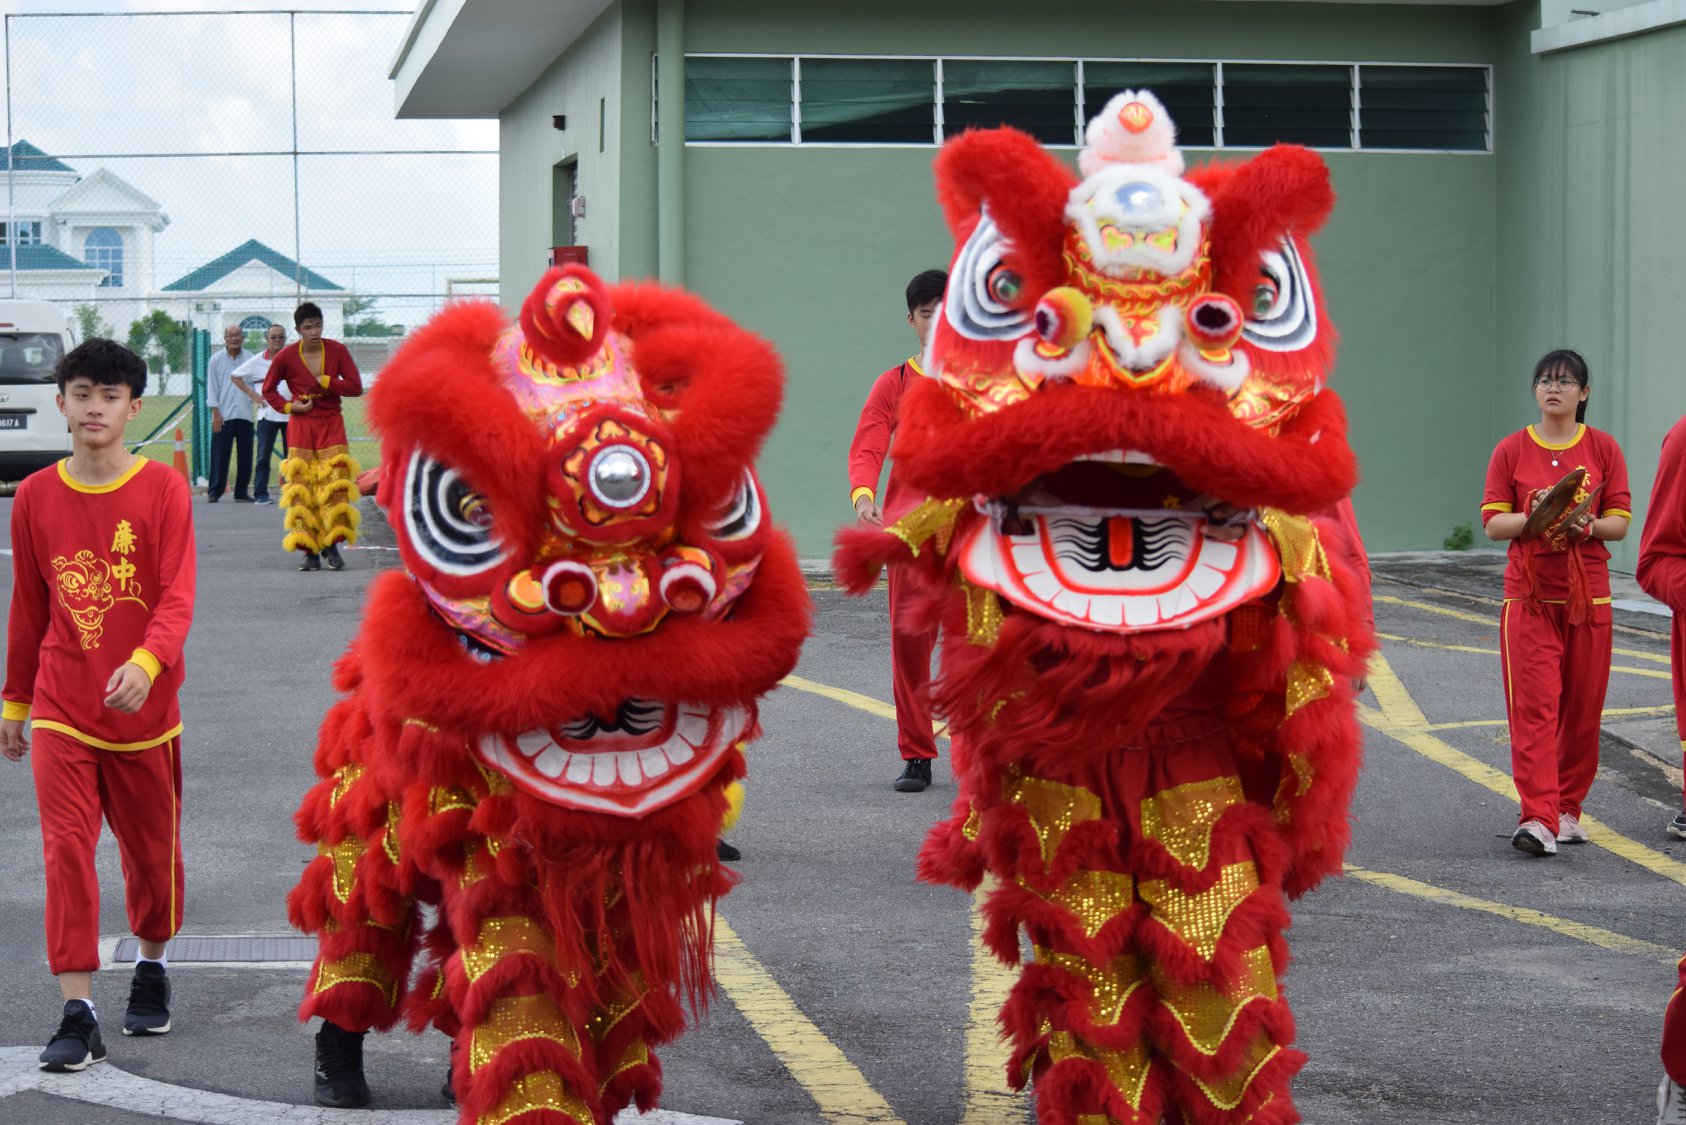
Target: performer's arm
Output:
[
  {"x": 346, "y": 381},
  {"x": 26, "y": 628},
  {"x": 272, "y": 384},
  {"x": 1662, "y": 547},
  {"x": 871, "y": 445},
  {"x": 1615, "y": 502},
  {"x": 1499, "y": 517},
  {"x": 172, "y": 612}
]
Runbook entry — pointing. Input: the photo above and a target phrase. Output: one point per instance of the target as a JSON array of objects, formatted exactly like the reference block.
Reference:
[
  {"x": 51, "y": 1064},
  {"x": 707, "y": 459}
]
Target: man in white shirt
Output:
[
  {"x": 231, "y": 419},
  {"x": 249, "y": 377}
]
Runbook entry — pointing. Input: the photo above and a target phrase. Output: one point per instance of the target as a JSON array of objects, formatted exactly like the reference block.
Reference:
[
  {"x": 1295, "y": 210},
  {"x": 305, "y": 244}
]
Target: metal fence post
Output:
[{"x": 200, "y": 349}]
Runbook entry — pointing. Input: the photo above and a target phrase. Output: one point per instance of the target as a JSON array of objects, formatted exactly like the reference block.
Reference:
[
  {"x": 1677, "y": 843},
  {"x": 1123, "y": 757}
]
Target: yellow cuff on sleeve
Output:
[
  {"x": 855, "y": 496},
  {"x": 1622, "y": 512},
  {"x": 146, "y": 662},
  {"x": 1497, "y": 506},
  {"x": 14, "y": 709}
]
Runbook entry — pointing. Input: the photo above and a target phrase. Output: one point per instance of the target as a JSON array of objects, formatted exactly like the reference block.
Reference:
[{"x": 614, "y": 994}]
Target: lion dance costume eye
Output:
[
  {"x": 1148, "y": 656},
  {"x": 543, "y": 713}
]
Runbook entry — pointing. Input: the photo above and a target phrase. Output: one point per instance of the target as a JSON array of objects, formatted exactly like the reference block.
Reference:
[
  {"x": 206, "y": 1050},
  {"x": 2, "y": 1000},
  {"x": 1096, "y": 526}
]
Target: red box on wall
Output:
[{"x": 566, "y": 255}]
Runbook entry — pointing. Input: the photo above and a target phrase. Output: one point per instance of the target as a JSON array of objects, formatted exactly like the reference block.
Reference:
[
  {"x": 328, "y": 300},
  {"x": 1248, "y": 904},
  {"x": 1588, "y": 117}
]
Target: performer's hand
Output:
[
  {"x": 303, "y": 405},
  {"x": 867, "y": 513},
  {"x": 128, "y": 688},
  {"x": 216, "y": 420},
  {"x": 13, "y": 744},
  {"x": 1225, "y": 523}
]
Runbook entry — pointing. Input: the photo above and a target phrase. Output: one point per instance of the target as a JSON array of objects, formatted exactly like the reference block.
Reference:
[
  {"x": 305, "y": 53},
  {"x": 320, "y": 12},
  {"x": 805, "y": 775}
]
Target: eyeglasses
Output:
[{"x": 1558, "y": 382}]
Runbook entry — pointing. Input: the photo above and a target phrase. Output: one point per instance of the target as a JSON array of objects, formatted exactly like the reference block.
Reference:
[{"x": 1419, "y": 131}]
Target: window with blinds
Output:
[
  {"x": 1266, "y": 104},
  {"x": 1433, "y": 108},
  {"x": 1188, "y": 90},
  {"x": 868, "y": 101},
  {"x": 1038, "y": 97},
  {"x": 738, "y": 99}
]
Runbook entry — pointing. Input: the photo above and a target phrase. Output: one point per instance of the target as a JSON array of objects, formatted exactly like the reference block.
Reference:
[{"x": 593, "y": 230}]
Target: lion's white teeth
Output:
[
  {"x": 679, "y": 751},
  {"x": 654, "y": 761},
  {"x": 627, "y": 763},
  {"x": 552, "y": 762},
  {"x": 692, "y": 727},
  {"x": 603, "y": 770}
]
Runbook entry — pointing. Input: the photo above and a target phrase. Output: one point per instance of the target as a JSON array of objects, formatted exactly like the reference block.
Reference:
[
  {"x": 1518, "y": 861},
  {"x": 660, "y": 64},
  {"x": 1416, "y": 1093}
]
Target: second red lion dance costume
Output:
[
  {"x": 544, "y": 714},
  {"x": 1149, "y": 653}
]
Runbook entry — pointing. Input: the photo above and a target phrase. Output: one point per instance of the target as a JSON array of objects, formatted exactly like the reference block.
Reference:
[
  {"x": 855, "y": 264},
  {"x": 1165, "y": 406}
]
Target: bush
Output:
[{"x": 1462, "y": 538}]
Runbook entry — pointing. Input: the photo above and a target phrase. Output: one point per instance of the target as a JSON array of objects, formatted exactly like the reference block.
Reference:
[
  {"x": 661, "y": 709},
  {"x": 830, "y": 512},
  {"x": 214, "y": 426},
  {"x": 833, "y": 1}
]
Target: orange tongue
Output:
[{"x": 1120, "y": 543}]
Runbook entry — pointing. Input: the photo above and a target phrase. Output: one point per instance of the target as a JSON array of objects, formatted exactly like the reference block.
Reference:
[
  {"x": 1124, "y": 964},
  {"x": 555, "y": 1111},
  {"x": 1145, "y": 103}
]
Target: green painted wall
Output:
[{"x": 1591, "y": 238}]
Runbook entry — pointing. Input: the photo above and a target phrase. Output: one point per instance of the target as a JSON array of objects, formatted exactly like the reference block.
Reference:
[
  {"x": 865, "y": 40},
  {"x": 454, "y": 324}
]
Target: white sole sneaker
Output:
[
  {"x": 1569, "y": 830},
  {"x": 1534, "y": 839}
]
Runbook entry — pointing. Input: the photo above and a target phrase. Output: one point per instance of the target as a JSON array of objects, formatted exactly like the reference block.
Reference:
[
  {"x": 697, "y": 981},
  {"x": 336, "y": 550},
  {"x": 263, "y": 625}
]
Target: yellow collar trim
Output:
[
  {"x": 913, "y": 363},
  {"x": 110, "y": 486},
  {"x": 1580, "y": 432}
]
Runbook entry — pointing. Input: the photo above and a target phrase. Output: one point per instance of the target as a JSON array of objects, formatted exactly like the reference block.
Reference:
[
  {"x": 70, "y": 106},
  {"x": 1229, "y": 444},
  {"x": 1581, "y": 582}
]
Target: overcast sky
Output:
[{"x": 159, "y": 99}]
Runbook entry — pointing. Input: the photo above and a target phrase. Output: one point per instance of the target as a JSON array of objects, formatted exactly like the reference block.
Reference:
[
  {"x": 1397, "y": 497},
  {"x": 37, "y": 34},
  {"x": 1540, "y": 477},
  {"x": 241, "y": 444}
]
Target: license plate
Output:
[{"x": 14, "y": 421}]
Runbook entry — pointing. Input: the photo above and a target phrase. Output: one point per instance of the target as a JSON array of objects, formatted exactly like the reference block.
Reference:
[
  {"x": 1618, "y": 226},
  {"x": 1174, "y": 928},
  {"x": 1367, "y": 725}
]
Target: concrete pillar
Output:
[{"x": 670, "y": 151}]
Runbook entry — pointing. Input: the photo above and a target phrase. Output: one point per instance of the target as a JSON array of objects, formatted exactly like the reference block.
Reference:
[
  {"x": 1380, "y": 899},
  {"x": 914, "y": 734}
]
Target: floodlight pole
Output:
[
  {"x": 298, "y": 250},
  {"x": 11, "y": 190}
]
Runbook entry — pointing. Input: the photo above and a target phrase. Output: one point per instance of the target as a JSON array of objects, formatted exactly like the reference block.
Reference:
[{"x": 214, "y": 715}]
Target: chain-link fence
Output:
[{"x": 168, "y": 173}]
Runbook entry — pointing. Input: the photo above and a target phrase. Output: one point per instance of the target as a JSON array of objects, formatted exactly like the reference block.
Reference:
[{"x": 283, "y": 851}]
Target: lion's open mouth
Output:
[
  {"x": 1115, "y": 544},
  {"x": 648, "y": 755}
]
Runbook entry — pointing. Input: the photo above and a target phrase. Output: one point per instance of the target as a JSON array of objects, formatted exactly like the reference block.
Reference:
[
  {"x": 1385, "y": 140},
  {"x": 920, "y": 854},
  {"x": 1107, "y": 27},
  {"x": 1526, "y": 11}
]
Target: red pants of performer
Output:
[
  {"x": 1677, "y": 670},
  {"x": 910, "y": 672},
  {"x": 1555, "y": 676},
  {"x": 139, "y": 793},
  {"x": 1674, "y": 1031}
]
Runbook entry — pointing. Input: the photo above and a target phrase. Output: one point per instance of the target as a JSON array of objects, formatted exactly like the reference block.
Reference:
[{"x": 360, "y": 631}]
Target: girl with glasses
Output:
[{"x": 1554, "y": 630}]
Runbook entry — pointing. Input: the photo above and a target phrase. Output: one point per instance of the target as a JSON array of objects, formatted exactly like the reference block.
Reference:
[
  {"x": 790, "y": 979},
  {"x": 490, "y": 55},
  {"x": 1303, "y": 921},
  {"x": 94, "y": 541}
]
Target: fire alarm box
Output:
[{"x": 566, "y": 255}]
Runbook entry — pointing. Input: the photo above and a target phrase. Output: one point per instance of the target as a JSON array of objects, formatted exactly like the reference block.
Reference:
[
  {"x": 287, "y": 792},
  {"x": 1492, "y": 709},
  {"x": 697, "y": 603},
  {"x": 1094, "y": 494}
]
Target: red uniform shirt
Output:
[
  {"x": 1522, "y": 464},
  {"x": 101, "y": 575},
  {"x": 339, "y": 376},
  {"x": 1662, "y": 554},
  {"x": 871, "y": 445}
]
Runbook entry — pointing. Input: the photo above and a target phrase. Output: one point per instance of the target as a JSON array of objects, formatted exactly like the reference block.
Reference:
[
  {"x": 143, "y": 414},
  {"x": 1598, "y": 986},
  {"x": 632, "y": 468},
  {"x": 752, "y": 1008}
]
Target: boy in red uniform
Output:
[
  {"x": 319, "y": 478},
  {"x": 910, "y": 647},
  {"x": 102, "y": 597},
  {"x": 1662, "y": 574},
  {"x": 1555, "y": 628}
]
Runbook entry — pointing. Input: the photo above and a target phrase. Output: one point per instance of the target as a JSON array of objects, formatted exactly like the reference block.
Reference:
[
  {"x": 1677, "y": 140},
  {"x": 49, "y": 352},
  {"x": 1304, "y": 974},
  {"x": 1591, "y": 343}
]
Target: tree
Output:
[
  {"x": 161, "y": 340},
  {"x": 360, "y": 319},
  {"x": 89, "y": 323}
]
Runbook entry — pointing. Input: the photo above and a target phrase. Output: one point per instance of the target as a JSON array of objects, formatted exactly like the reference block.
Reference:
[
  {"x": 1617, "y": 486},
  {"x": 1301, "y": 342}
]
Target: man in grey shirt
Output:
[{"x": 231, "y": 419}]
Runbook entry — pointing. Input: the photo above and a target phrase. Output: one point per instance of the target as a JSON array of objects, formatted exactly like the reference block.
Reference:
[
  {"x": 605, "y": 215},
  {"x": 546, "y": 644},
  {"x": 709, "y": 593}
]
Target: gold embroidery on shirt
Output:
[{"x": 85, "y": 589}]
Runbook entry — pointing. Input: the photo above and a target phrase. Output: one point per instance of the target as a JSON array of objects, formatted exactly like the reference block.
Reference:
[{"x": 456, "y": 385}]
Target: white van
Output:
[{"x": 33, "y": 433}]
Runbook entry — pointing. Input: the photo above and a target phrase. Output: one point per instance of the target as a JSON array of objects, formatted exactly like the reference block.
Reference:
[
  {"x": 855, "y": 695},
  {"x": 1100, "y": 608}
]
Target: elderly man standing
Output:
[{"x": 231, "y": 419}]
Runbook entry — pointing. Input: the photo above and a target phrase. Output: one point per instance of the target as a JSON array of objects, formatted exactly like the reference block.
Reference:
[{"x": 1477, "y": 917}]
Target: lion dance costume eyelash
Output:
[
  {"x": 1149, "y": 694},
  {"x": 545, "y": 713}
]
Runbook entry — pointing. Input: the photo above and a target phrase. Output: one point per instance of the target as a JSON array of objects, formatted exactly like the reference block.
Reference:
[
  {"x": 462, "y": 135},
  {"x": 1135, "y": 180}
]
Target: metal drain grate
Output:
[{"x": 233, "y": 948}]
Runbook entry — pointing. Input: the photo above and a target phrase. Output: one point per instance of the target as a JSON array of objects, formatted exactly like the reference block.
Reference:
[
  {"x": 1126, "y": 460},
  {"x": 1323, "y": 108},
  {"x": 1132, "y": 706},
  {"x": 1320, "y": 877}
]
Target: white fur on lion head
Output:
[{"x": 1133, "y": 128}]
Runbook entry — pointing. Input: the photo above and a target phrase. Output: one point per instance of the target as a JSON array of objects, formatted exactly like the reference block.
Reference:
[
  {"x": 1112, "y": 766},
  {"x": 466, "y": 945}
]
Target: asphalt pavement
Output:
[{"x": 1448, "y": 979}]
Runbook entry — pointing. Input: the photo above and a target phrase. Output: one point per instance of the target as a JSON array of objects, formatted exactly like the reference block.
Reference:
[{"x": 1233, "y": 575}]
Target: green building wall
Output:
[{"x": 1446, "y": 275}]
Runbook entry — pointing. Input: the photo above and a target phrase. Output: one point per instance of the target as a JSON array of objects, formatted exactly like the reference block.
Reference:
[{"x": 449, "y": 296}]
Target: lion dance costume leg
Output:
[
  {"x": 542, "y": 718},
  {"x": 1125, "y": 438}
]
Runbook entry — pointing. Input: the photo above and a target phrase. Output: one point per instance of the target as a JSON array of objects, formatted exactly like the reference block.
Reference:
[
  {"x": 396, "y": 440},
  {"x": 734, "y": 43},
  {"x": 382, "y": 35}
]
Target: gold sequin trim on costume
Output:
[
  {"x": 1182, "y": 817},
  {"x": 534, "y": 1092},
  {"x": 983, "y": 615},
  {"x": 496, "y": 783},
  {"x": 344, "y": 778},
  {"x": 974, "y": 823},
  {"x": 1307, "y": 683},
  {"x": 1199, "y": 919},
  {"x": 1113, "y": 983},
  {"x": 443, "y": 798},
  {"x": 498, "y": 938},
  {"x": 514, "y": 1019},
  {"x": 1297, "y": 543},
  {"x": 636, "y": 1054},
  {"x": 934, "y": 519},
  {"x": 389, "y": 842},
  {"x": 1206, "y": 1013},
  {"x": 344, "y": 856},
  {"x": 1227, "y": 1093},
  {"x": 1095, "y": 897},
  {"x": 357, "y": 968},
  {"x": 617, "y": 1008},
  {"x": 1053, "y": 809},
  {"x": 1127, "y": 1069}
]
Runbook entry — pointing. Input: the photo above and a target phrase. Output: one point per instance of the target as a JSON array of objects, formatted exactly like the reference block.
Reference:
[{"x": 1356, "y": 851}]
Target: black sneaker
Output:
[
  {"x": 331, "y": 556},
  {"x": 1677, "y": 826},
  {"x": 149, "y": 1001},
  {"x": 76, "y": 1044},
  {"x": 915, "y": 777},
  {"x": 339, "y": 1067},
  {"x": 449, "y": 1090},
  {"x": 311, "y": 562},
  {"x": 727, "y": 852}
]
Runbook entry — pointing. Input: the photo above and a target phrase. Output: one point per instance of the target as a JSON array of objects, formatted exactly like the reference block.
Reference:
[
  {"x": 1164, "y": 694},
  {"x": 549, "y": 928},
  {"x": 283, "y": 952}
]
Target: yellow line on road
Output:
[
  {"x": 1402, "y": 720},
  {"x": 1592, "y": 935},
  {"x": 839, "y": 1089},
  {"x": 988, "y": 1101},
  {"x": 1415, "y": 642},
  {"x": 1609, "y": 713},
  {"x": 1483, "y": 619},
  {"x": 853, "y": 699}
]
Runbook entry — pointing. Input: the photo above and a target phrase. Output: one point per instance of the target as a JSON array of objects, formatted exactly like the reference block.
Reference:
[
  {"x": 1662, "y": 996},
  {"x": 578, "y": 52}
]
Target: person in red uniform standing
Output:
[
  {"x": 102, "y": 597},
  {"x": 1554, "y": 630},
  {"x": 1662, "y": 574},
  {"x": 910, "y": 645},
  {"x": 319, "y": 476}
]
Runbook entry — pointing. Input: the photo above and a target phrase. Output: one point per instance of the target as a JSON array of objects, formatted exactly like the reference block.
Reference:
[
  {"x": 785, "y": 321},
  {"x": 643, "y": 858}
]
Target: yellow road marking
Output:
[
  {"x": 1592, "y": 935},
  {"x": 853, "y": 699},
  {"x": 1482, "y": 619},
  {"x": 1414, "y": 642},
  {"x": 839, "y": 1089},
  {"x": 1608, "y": 713},
  {"x": 1402, "y": 720},
  {"x": 988, "y": 1101}
]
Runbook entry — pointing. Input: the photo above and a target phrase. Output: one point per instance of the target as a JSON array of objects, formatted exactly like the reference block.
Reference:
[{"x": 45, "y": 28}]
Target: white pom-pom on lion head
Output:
[{"x": 1133, "y": 129}]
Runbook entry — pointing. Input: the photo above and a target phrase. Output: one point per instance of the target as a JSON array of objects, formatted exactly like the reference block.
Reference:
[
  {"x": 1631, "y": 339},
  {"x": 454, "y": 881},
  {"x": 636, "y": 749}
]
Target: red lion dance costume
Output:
[
  {"x": 1149, "y": 656},
  {"x": 543, "y": 716}
]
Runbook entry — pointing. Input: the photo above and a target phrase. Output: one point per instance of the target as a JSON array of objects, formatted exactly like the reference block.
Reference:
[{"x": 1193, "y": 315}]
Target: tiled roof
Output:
[
  {"x": 249, "y": 251},
  {"x": 37, "y": 256},
  {"x": 27, "y": 158}
]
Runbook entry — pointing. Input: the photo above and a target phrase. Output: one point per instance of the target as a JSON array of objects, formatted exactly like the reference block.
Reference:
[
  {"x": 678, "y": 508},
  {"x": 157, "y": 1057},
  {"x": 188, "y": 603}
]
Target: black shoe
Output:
[
  {"x": 244, "y": 500},
  {"x": 311, "y": 562},
  {"x": 149, "y": 1001},
  {"x": 727, "y": 852},
  {"x": 76, "y": 1044},
  {"x": 331, "y": 556},
  {"x": 1677, "y": 826},
  {"x": 212, "y": 499},
  {"x": 915, "y": 777},
  {"x": 339, "y": 1068},
  {"x": 449, "y": 1091}
]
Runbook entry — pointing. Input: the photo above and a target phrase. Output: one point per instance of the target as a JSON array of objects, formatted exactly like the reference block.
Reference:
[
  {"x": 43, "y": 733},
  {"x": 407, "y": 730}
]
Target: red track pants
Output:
[
  {"x": 139, "y": 793},
  {"x": 1555, "y": 677},
  {"x": 1674, "y": 1031},
  {"x": 910, "y": 672}
]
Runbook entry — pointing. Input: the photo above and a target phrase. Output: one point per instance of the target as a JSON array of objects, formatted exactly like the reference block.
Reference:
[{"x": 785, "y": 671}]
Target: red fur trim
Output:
[
  {"x": 1075, "y": 1088},
  {"x": 1284, "y": 189},
  {"x": 1270, "y": 1083},
  {"x": 1025, "y": 188},
  {"x": 480, "y": 1091},
  {"x": 545, "y": 326},
  {"x": 941, "y": 451}
]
